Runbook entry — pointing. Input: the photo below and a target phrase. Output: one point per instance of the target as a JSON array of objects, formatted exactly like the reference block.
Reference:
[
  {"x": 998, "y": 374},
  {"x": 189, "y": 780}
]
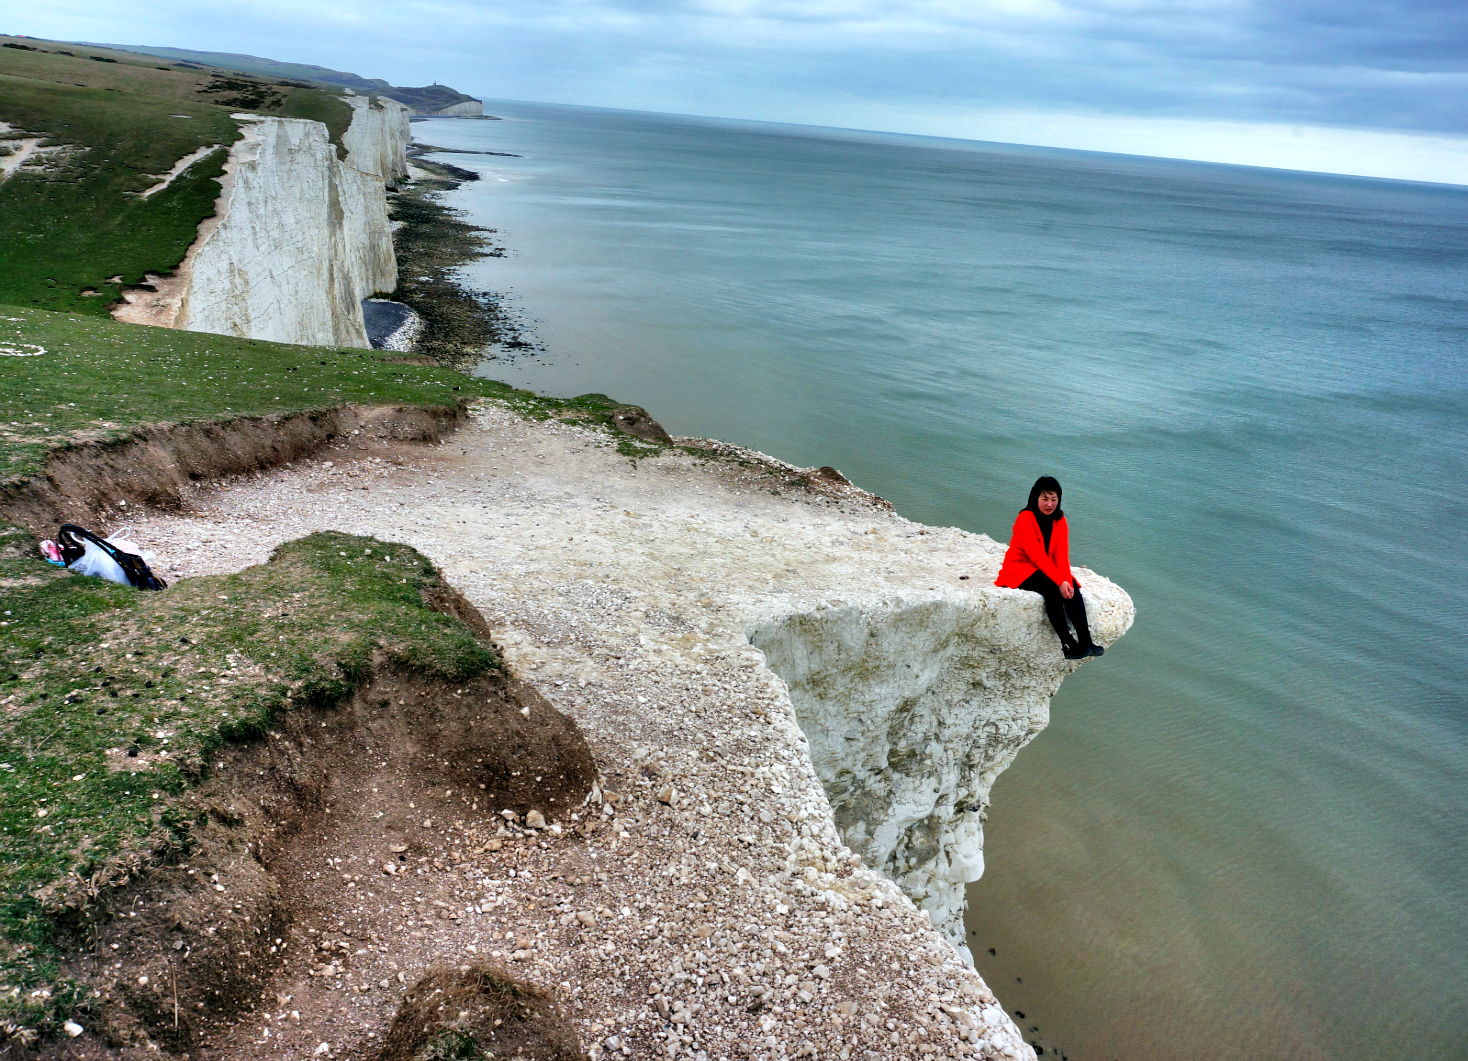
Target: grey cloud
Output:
[
  {"x": 1394, "y": 64},
  {"x": 1397, "y": 65}
]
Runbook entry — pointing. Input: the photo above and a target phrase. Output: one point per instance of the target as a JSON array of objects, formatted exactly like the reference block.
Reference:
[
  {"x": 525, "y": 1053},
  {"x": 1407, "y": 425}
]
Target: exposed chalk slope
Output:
[{"x": 666, "y": 607}]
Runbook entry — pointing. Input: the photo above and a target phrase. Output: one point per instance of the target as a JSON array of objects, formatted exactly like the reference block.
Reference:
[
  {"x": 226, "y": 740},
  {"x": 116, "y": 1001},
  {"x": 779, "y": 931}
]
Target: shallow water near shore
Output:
[{"x": 1242, "y": 834}]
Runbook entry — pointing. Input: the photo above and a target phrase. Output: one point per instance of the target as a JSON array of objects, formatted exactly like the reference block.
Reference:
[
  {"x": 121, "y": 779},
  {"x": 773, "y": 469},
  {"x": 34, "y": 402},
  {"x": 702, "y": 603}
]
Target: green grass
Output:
[
  {"x": 331, "y": 111},
  {"x": 70, "y": 229},
  {"x": 111, "y": 701},
  {"x": 101, "y": 378},
  {"x": 70, "y": 64},
  {"x": 587, "y": 410}
]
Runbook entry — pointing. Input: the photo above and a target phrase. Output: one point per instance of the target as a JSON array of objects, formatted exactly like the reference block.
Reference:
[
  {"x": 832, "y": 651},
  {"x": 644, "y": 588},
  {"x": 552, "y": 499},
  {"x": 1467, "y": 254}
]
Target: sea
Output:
[{"x": 1244, "y": 834}]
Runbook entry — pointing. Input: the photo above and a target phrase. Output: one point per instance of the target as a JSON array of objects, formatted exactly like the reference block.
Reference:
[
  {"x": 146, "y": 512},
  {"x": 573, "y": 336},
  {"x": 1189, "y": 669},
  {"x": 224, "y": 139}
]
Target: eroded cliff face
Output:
[
  {"x": 299, "y": 236},
  {"x": 913, "y": 708},
  {"x": 471, "y": 108},
  {"x": 377, "y": 141}
]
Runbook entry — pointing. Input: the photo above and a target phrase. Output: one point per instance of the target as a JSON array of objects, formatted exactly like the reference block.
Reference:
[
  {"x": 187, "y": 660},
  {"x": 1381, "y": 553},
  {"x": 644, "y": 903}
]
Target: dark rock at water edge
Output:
[
  {"x": 633, "y": 420},
  {"x": 459, "y": 325}
]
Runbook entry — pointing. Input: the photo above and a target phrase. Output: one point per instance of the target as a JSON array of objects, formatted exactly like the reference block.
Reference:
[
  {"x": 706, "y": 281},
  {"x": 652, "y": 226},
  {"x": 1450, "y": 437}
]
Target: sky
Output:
[{"x": 1347, "y": 86}]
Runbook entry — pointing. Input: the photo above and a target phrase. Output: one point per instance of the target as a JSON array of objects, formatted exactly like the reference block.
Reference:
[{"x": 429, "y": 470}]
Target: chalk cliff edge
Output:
[{"x": 299, "y": 236}]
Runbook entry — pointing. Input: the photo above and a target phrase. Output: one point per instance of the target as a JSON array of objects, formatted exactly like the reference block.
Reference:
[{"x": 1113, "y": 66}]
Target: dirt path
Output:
[
  {"x": 711, "y": 911},
  {"x": 165, "y": 179}
]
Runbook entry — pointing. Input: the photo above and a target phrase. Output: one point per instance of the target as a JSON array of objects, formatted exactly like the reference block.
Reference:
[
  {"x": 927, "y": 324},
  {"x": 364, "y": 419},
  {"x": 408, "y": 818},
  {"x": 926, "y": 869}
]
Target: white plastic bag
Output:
[
  {"x": 129, "y": 547},
  {"x": 97, "y": 563}
]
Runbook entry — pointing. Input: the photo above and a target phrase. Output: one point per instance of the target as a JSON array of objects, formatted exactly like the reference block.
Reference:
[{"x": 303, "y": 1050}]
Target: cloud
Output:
[{"x": 1397, "y": 66}]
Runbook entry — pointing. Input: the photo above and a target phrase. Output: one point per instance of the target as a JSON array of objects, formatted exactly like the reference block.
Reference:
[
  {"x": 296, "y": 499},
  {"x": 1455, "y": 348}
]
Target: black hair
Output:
[{"x": 1042, "y": 484}]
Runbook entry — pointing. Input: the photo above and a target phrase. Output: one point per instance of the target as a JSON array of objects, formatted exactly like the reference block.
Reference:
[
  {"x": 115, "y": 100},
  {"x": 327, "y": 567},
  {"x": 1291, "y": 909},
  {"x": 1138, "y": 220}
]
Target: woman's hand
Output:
[{"x": 1067, "y": 591}]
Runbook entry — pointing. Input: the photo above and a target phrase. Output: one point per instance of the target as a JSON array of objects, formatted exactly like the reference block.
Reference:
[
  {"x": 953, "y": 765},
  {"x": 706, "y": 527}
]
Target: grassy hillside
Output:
[
  {"x": 74, "y": 225},
  {"x": 91, "y": 66},
  {"x": 99, "y": 68},
  {"x": 67, "y": 231},
  {"x": 260, "y": 67},
  {"x": 429, "y": 97}
]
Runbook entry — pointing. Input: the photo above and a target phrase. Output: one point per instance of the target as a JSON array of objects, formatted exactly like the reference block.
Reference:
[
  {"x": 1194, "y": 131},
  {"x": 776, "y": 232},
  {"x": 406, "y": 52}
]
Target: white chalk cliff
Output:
[
  {"x": 299, "y": 236},
  {"x": 913, "y": 707},
  {"x": 378, "y": 138},
  {"x": 470, "y": 108}
]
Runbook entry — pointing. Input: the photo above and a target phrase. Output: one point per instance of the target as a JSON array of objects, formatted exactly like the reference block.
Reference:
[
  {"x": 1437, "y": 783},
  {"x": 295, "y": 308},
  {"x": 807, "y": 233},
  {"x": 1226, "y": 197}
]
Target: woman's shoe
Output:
[
  {"x": 1075, "y": 651},
  {"x": 1096, "y": 650}
]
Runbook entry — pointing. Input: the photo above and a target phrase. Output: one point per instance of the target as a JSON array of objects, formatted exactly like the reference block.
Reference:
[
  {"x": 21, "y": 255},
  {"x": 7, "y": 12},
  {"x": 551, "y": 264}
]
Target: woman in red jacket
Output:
[{"x": 1038, "y": 560}]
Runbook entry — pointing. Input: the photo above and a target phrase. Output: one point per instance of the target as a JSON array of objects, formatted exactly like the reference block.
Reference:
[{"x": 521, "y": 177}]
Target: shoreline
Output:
[{"x": 430, "y": 241}]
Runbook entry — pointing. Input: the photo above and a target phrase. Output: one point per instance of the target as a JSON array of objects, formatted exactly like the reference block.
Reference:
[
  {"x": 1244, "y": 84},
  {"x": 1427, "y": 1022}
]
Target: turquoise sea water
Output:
[{"x": 1245, "y": 833}]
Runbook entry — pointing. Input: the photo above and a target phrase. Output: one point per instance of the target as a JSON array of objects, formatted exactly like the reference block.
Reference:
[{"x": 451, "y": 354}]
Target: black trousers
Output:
[{"x": 1058, "y": 608}]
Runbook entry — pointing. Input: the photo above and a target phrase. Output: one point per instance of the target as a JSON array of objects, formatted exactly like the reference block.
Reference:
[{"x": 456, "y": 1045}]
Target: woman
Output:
[{"x": 1038, "y": 560}]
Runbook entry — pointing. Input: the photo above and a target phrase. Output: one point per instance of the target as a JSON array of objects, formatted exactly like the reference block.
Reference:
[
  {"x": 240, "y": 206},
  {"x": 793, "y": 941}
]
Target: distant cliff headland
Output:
[
  {"x": 646, "y": 747},
  {"x": 437, "y": 100}
]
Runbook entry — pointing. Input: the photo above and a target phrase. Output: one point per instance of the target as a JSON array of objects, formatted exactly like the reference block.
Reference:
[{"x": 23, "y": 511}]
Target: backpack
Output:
[{"x": 73, "y": 541}]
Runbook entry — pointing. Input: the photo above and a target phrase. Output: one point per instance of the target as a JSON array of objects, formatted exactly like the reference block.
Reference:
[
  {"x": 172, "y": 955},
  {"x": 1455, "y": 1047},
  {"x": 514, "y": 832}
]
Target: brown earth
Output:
[
  {"x": 306, "y": 849},
  {"x": 92, "y": 480},
  {"x": 480, "y": 1006}
]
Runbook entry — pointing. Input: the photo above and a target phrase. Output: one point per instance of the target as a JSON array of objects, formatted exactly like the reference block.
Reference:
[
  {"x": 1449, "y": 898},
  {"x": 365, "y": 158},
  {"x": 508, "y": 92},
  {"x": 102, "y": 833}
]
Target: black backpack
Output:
[{"x": 70, "y": 540}]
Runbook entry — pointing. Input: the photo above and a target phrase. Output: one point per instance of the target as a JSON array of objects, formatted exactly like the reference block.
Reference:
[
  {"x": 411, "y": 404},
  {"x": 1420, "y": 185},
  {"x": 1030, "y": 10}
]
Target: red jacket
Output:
[{"x": 1026, "y": 553}]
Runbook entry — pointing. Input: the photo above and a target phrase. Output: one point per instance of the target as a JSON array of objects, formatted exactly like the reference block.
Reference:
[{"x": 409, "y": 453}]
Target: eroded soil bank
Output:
[
  {"x": 155, "y": 465},
  {"x": 334, "y": 869}
]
